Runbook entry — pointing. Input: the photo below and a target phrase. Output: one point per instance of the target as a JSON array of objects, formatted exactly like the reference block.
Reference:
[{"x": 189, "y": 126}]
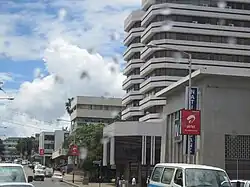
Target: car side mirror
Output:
[
  {"x": 30, "y": 178},
  {"x": 238, "y": 184}
]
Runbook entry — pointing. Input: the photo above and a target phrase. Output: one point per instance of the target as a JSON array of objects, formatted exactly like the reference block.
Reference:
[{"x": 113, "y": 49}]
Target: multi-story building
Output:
[
  {"x": 215, "y": 33},
  {"x": 10, "y": 151},
  {"x": 94, "y": 110},
  {"x": 51, "y": 141}
]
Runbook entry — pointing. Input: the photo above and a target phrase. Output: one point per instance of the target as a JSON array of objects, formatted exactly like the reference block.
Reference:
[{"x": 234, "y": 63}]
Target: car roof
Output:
[
  {"x": 186, "y": 166},
  {"x": 10, "y": 164},
  {"x": 239, "y": 180}
]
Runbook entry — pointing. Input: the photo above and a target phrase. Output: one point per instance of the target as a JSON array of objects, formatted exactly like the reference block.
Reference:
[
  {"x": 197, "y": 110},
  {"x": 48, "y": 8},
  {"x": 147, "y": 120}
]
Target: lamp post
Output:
[
  {"x": 189, "y": 55},
  {"x": 74, "y": 158}
]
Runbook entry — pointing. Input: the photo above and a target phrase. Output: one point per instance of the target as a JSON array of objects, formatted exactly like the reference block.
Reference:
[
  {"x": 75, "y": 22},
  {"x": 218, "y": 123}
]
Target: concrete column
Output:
[
  {"x": 105, "y": 154},
  {"x": 164, "y": 141},
  {"x": 152, "y": 151},
  {"x": 143, "y": 150},
  {"x": 112, "y": 151}
]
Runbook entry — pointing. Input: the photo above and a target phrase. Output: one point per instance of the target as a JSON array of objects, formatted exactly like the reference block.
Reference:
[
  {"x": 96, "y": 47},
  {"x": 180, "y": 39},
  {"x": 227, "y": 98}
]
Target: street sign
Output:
[
  {"x": 190, "y": 122},
  {"x": 41, "y": 152},
  {"x": 73, "y": 151}
]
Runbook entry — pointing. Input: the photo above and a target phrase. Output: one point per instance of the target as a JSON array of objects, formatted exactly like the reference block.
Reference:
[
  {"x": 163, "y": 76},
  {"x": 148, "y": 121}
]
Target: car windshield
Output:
[
  {"x": 12, "y": 174},
  {"x": 205, "y": 178},
  {"x": 234, "y": 184}
]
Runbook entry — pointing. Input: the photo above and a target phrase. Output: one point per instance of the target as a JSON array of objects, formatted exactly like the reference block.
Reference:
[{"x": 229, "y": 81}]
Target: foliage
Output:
[
  {"x": 68, "y": 105},
  {"x": 1, "y": 147},
  {"x": 25, "y": 145},
  {"x": 89, "y": 136}
]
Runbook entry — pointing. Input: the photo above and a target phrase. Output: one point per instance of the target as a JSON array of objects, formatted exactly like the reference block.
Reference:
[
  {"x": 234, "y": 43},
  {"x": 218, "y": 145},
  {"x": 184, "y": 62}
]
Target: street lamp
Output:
[{"x": 189, "y": 55}]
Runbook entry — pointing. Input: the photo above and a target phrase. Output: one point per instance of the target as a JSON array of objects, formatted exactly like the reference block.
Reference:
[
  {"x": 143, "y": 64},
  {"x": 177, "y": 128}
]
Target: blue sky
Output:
[{"x": 40, "y": 40}]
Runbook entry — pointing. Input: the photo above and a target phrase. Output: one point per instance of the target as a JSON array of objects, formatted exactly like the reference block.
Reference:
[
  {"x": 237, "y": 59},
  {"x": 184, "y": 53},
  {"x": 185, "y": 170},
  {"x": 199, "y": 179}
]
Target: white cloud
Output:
[{"x": 70, "y": 41}]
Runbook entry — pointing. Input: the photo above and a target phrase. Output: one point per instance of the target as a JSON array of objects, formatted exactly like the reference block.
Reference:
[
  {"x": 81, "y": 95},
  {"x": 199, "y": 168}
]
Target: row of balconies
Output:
[
  {"x": 147, "y": 14},
  {"x": 147, "y": 31}
]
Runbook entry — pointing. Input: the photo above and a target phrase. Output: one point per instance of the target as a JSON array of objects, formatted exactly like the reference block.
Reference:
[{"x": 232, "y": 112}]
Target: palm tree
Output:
[{"x": 68, "y": 105}]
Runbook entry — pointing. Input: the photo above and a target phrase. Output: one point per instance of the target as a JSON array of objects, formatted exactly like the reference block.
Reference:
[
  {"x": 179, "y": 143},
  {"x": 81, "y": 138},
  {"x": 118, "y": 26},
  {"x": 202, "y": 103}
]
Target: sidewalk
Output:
[{"x": 78, "y": 182}]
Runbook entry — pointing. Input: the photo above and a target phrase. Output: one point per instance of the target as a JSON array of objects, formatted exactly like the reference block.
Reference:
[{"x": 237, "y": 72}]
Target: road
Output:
[{"x": 46, "y": 183}]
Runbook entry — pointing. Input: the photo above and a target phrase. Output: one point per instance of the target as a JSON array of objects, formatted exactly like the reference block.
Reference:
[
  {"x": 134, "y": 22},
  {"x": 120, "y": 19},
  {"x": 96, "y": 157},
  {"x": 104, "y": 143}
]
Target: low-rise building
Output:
[
  {"x": 51, "y": 141},
  {"x": 93, "y": 110}
]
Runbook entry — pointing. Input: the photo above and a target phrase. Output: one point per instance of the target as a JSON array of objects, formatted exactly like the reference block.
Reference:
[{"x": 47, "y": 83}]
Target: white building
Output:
[
  {"x": 51, "y": 141},
  {"x": 92, "y": 110},
  {"x": 216, "y": 34}
]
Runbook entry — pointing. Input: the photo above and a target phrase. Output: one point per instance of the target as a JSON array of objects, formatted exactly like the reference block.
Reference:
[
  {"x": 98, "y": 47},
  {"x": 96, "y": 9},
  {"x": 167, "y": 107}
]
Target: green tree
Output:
[
  {"x": 89, "y": 136},
  {"x": 25, "y": 145},
  {"x": 1, "y": 147}
]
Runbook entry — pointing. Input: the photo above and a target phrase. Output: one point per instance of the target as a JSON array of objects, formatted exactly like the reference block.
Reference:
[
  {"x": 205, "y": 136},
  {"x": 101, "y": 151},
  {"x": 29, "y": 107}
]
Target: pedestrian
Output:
[
  {"x": 133, "y": 181},
  {"x": 117, "y": 181}
]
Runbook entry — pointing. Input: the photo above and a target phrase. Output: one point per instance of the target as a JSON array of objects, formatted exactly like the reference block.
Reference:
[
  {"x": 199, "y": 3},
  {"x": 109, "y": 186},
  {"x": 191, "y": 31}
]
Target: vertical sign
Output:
[
  {"x": 41, "y": 152},
  {"x": 193, "y": 106}
]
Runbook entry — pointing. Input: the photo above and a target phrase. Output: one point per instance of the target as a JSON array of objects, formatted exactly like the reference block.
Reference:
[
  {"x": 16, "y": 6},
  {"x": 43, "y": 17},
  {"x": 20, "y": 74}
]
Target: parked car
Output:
[{"x": 57, "y": 176}]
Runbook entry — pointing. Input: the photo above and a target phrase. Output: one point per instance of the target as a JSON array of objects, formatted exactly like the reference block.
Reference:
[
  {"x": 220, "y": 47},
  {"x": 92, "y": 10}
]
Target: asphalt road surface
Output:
[{"x": 46, "y": 183}]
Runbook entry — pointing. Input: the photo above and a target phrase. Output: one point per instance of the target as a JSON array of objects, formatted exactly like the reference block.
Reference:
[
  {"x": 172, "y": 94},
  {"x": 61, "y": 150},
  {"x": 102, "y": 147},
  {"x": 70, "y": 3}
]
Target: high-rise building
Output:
[{"x": 216, "y": 33}]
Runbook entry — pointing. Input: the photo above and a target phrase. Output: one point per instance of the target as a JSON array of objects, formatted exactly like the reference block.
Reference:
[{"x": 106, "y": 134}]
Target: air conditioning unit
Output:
[
  {"x": 231, "y": 25},
  {"x": 194, "y": 21}
]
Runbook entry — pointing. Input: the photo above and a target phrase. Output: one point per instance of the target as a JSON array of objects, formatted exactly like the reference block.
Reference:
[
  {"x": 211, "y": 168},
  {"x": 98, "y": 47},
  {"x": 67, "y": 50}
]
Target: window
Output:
[
  {"x": 206, "y": 177},
  {"x": 178, "y": 177},
  {"x": 156, "y": 176},
  {"x": 12, "y": 174},
  {"x": 167, "y": 175}
]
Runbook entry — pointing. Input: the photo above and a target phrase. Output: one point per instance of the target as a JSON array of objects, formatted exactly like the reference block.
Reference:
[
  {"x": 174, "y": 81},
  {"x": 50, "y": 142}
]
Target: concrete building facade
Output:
[
  {"x": 51, "y": 141},
  {"x": 93, "y": 110},
  {"x": 216, "y": 34},
  {"x": 225, "y": 134}
]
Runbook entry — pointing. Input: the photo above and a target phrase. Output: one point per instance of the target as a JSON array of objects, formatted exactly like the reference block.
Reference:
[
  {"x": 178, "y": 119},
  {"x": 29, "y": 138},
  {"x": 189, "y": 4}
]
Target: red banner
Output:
[
  {"x": 73, "y": 151},
  {"x": 190, "y": 122},
  {"x": 41, "y": 152}
]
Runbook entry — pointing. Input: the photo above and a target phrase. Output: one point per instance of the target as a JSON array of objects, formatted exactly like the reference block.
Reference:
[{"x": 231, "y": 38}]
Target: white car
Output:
[
  {"x": 39, "y": 173},
  {"x": 14, "y": 175},
  {"x": 57, "y": 176},
  {"x": 241, "y": 183}
]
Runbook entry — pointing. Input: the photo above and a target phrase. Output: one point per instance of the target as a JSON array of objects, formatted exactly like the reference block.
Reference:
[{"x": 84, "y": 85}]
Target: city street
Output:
[{"x": 47, "y": 182}]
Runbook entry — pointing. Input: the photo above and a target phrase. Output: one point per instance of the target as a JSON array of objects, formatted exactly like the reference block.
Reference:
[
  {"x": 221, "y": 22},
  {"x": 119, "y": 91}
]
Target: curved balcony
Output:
[
  {"x": 152, "y": 101},
  {"x": 194, "y": 10},
  {"x": 151, "y": 117},
  {"x": 194, "y": 46},
  {"x": 131, "y": 112},
  {"x": 154, "y": 82},
  {"x": 131, "y": 65},
  {"x": 195, "y": 28},
  {"x": 131, "y": 96},
  {"x": 131, "y": 80},
  {"x": 132, "y": 19},
  {"x": 133, "y": 48},
  {"x": 133, "y": 33}
]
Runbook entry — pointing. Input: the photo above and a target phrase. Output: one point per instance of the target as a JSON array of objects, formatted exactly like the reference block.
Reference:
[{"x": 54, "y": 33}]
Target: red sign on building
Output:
[
  {"x": 73, "y": 151},
  {"x": 41, "y": 152},
  {"x": 190, "y": 122}
]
